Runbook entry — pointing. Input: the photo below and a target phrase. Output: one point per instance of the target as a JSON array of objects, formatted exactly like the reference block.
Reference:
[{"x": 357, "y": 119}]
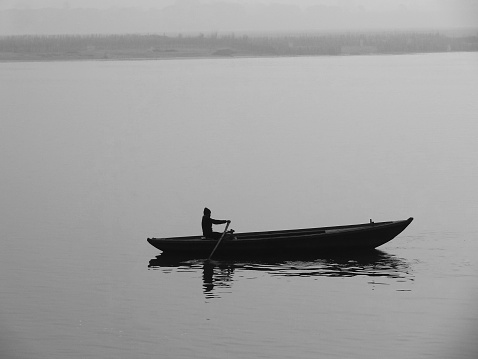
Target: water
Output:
[{"x": 98, "y": 156}]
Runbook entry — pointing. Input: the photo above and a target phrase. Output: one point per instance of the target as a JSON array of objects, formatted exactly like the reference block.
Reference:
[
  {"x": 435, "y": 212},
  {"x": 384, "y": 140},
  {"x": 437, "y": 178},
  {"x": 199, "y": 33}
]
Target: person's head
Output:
[{"x": 207, "y": 212}]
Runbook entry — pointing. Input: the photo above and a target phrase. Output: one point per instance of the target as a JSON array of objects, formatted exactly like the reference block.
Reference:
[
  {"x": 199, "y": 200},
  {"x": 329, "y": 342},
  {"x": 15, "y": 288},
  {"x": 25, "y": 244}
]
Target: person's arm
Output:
[{"x": 219, "y": 221}]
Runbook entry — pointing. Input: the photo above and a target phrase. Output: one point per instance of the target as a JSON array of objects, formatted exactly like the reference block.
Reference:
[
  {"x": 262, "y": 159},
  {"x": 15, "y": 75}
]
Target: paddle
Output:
[{"x": 219, "y": 241}]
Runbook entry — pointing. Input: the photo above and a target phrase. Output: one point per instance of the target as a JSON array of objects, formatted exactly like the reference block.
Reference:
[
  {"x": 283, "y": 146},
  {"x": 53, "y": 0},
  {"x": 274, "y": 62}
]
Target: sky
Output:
[
  {"x": 140, "y": 16},
  {"x": 376, "y": 5}
]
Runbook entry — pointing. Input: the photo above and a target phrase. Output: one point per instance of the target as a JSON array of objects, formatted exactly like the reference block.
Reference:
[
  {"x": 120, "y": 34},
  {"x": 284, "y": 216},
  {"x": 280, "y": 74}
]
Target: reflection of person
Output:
[
  {"x": 216, "y": 275},
  {"x": 207, "y": 223}
]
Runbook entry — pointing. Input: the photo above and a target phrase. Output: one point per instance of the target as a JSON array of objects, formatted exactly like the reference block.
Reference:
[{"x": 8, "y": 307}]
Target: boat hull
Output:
[{"x": 307, "y": 241}]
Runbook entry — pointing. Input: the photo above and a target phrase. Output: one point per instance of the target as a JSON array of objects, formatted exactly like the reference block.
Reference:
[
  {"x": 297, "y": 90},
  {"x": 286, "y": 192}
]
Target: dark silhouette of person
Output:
[{"x": 207, "y": 223}]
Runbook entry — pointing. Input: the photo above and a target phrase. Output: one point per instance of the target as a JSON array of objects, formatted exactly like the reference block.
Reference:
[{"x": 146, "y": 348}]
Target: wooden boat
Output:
[{"x": 308, "y": 241}]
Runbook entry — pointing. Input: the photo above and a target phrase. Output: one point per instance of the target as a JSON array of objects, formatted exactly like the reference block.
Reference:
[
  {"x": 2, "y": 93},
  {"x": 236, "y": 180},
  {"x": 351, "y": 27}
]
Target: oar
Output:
[{"x": 219, "y": 241}]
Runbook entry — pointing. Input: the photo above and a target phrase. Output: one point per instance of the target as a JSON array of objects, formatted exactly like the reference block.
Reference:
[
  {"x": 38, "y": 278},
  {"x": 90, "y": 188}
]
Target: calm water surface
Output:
[{"x": 98, "y": 156}]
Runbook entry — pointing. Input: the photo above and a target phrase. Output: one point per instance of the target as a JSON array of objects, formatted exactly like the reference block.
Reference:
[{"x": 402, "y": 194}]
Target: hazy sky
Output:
[
  {"x": 424, "y": 5},
  {"x": 231, "y": 15}
]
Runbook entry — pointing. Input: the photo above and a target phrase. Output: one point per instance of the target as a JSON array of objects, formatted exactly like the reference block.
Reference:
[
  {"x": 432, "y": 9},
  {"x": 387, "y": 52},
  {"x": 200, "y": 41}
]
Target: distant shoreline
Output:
[
  {"x": 205, "y": 57},
  {"x": 48, "y": 48}
]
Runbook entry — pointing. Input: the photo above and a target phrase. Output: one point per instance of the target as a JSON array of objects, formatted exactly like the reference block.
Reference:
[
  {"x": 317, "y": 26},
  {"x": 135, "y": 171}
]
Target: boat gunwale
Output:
[{"x": 287, "y": 234}]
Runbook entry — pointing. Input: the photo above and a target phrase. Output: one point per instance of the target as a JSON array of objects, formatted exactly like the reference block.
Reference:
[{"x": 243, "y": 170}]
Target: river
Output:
[{"x": 96, "y": 156}]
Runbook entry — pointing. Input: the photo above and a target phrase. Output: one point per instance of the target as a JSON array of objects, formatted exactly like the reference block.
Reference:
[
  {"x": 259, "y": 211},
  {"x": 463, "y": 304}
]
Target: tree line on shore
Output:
[{"x": 230, "y": 44}]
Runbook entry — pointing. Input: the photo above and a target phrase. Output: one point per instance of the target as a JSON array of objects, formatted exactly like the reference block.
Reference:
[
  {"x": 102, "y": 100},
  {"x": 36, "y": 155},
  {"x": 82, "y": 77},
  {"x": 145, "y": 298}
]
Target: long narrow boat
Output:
[{"x": 307, "y": 241}]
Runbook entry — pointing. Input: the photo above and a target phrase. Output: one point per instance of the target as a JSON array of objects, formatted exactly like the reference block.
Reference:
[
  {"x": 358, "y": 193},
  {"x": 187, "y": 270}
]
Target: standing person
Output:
[{"x": 207, "y": 223}]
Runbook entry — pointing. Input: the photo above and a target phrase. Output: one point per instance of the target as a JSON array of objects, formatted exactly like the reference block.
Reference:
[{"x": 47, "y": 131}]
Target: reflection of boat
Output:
[
  {"x": 310, "y": 240},
  {"x": 217, "y": 274},
  {"x": 372, "y": 263}
]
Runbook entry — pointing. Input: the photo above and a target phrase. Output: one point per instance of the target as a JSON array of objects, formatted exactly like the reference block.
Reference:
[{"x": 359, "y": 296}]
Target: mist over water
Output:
[
  {"x": 97, "y": 156},
  {"x": 315, "y": 140}
]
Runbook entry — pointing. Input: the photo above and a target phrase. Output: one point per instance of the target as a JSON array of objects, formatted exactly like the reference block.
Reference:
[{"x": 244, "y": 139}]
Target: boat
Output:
[{"x": 312, "y": 241}]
